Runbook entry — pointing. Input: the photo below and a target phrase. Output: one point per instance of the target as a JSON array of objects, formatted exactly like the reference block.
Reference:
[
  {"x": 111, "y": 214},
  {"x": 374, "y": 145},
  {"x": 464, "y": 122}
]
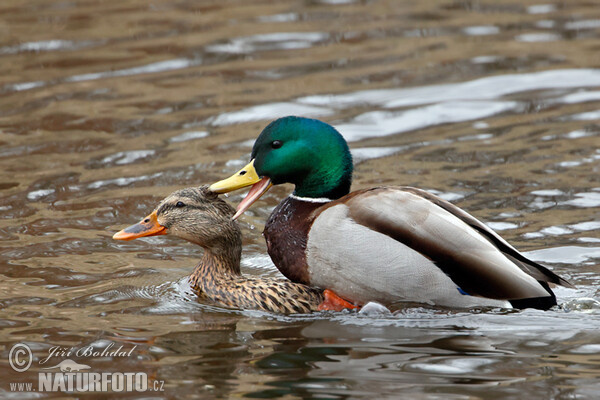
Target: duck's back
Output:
[{"x": 266, "y": 294}]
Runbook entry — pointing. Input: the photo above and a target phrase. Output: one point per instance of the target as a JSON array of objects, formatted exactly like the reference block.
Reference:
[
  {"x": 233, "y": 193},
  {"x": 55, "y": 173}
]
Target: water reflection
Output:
[
  {"x": 489, "y": 88},
  {"x": 161, "y": 66},
  {"x": 566, "y": 254},
  {"x": 383, "y": 123},
  {"x": 266, "y": 42},
  {"x": 449, "y": 103},
  {"x": 269, "y": 111},
  {"x": 184, "y": 137},
  {"x": 46, "y": 45}
]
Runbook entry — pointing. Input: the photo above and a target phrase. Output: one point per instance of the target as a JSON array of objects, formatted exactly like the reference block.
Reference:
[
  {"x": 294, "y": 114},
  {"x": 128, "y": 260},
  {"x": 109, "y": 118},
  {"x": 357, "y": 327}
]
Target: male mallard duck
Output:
[
  {"x": 199, "y": 216},
  {"x": 386, "y": 244}
]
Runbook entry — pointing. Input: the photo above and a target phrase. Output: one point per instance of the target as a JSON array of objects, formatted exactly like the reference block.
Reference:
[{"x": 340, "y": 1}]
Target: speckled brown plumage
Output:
[{"x": 199, "y": 216}]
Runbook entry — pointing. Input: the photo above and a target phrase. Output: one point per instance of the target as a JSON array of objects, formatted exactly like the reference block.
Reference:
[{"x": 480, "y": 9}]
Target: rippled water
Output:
[{"x": 106, "y": 107}]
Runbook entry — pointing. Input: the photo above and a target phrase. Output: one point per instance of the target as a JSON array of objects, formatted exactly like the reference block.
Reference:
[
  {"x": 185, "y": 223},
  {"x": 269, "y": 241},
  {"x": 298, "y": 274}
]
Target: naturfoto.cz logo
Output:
[{"x": 71, "y": 376}]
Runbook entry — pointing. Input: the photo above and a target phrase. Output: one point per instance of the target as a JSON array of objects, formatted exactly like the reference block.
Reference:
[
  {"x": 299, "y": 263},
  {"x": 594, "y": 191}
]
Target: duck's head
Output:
[
  {"x": 306, "y": 152},
  {"x": 193, "y": 214}
]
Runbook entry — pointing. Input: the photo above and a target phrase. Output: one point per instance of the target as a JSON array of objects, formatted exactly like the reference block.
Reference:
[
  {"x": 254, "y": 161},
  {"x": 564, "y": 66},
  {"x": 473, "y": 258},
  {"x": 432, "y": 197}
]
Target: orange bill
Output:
[{"x": 149, "y": 226}]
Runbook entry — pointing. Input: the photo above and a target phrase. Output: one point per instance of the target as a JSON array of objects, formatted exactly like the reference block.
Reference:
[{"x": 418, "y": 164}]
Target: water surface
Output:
[{"x": 107, "y": 107}]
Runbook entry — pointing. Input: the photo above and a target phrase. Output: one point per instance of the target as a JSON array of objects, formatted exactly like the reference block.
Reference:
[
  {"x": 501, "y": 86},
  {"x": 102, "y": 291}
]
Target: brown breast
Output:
[{"x": 286, "y": 233}]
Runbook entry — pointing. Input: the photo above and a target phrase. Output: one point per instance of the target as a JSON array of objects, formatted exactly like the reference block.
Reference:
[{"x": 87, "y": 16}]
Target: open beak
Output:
[
  {"x": 149, "y": 226},
  {"x": 245, "y": 177}
]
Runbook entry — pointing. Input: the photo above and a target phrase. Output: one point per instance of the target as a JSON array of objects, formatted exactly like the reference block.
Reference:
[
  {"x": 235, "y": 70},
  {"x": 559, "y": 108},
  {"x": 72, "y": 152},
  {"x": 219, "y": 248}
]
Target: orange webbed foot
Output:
[{"x": 333, "y": 302}]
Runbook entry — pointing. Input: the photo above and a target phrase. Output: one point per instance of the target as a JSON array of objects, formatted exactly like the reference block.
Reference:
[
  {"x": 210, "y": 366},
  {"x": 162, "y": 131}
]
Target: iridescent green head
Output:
[{"x": 306, "y": 152}]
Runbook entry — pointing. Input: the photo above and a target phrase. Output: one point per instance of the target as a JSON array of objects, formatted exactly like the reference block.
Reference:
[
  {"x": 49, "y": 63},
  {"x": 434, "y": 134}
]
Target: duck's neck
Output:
[
  {"x": 323, "y": 189},
  {"x": 217, "y": 265},
  {"x": 220, "y": 264}
]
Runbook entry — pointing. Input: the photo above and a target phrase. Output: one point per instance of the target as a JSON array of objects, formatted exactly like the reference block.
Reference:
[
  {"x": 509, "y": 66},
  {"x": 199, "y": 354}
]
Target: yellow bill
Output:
[{"x": 245, "y": 177}]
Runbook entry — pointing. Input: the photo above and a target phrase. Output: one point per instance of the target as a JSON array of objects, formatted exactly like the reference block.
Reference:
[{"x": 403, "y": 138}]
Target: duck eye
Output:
[
  {"x": 180, "y": 204},
  {"x": 275, "y": 144}
]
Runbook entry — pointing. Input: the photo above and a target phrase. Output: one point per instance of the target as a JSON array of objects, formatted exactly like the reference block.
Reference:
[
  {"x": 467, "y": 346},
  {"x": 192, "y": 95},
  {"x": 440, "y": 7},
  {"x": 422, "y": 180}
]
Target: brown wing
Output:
[
  {"x": 460, "y": 245},
  {"x": 534, "y": 269}
]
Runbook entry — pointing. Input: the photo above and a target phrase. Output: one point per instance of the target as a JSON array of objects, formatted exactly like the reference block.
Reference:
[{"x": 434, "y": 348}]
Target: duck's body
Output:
[
  {"x": 199, "y": 216},
  {"x": 304, "y": 240},
  {"x": 388, "y": 244},
  {"x": 214, "y": 282}
]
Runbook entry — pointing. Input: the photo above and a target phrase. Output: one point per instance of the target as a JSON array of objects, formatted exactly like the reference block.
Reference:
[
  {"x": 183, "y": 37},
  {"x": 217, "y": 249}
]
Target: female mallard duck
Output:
[
  {"x": 199, "y": 216},
  {"x": 386, "y": 244}
]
